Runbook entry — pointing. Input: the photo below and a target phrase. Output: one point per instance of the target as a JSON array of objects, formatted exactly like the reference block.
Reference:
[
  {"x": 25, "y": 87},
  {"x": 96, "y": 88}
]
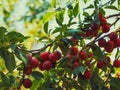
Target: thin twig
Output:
[
  {"x": 115, "y": 21},
  {"x": 113, "y": 15}
]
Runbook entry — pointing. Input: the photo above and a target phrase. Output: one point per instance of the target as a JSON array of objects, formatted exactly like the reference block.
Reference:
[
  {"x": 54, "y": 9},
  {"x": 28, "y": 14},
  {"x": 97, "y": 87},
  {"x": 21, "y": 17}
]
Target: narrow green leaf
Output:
[
  {"x": 35, "y": 84},
  {"x": 115, "y": 83},
  {"x": 98, "y": 54},
  {"x": 113, "y": 1},
  {"x": 62, "y": 61},
  {"x": 5, "y": 80},
  {"x": 76, "y": 9},
  {"x": 60, "y": 17},
  {"x": 48, "y": 16},
  {"x": 15, "y": 37},
  {"x": 111, "y": 7},
  {"x": 96, "y": 18},
  {"x": 9, "y": 60},
  {"x": 46, "y": 27},
  {"x": 86, "y": 14},
  {"x": 118, "y": 4},
  {"x": 90, "y": 6},
  {"x": 85, "y": 1},
  {"x": 2, "y": 32},
  {"x": 82, "y": 69},
  {"x": 21, "y": 56},
  {"x": 37, "y": 75},
  {"x": 75, "y": 31},
  {"x": 53, "y": 3},
  {"x": 56, "y": 30}
]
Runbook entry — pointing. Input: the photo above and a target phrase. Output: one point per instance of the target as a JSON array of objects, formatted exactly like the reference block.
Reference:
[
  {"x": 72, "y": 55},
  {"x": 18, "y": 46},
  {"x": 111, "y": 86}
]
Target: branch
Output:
[
  {"x": 37, "y": 50},
  {"x": 114, "y": 15},
  {"x": 21, "y": 81},
  {"x": 118, "y": 30},
  {"x": 109, "y": 75},
  {"x": 115, "y": 21},
  {"x": 106, "y": 3}
]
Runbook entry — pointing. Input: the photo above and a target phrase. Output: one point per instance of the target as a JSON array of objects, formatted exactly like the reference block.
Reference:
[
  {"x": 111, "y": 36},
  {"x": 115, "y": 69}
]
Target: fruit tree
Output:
[{"x": 54, "y": 45}]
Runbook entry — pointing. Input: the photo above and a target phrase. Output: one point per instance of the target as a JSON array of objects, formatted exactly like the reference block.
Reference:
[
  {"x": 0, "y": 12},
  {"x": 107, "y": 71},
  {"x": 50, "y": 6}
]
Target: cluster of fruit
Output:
[
  {"x": 112, "y": 43},
  {"x": 78, "y": 58},
  {"x": 45, "y": 62},
  {"x": 93, "y": 31}
]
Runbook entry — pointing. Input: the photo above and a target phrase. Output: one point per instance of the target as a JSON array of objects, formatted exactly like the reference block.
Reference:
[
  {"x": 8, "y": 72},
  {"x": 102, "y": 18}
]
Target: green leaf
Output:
[
  {"x": 37, "y": 75},
  {"x": 85, "y": 1},
  {"x": 53, "y": 3},
  {"x": 56, "y": 30},
  {"x": 67, "y": 41},
  {"x": 111, "y": 7},
  {"x": 79, "y": 69},
  {"x": 82, "y": 69},
  {"x": 21, "y": 55},
  {"x": 112, "y": 1},
  {"x": 46, "y": 27},
  {"x": 76, "y": 9},
  {"x": 115, "y": 83},
  {"x": 9, "y": 60},
  {"x": 98, "y": 54},
  {"x": 48, "y": 16},
  {"x": 90, "y": 6},
  {"x": 62, "y": 61},
  {"x": 15, "y": 37},
  {"x": 118, "y": 4},
  {"x": 96, "y": 18},
  {"x": 2, "y": 32},
  {"x": 71, "y": 31},
  {"x": 58, "y": 22},
  {"x": 5, "y": 80},
  {"x": 86, "y": 14},
  {"x": 70, "y": 13},
  {"x": 35, "y": 84},
  {"x": 60, "y": 17}
]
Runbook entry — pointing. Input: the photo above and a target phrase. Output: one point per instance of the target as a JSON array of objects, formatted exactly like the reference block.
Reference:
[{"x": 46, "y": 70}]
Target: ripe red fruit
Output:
[
  {"x": 103, "y": 21},
  {"x": 28, "y": 70},
  {"x": 27, "y": 83},
  {"x": 34, "y": 63},
  {"x": 75, "y": 64},
  {"x": 83, "y": 55},
  {"x": 95, "y": 27},
  {"x": 109, "y": 46},
  {"x": 116, "y": 63},
  {"x": 58, "y": 54},
  {"x": 117, "y": 42},
  {"x": 29, "y": 58},
  {"x": 44, "y": 56},
  {"x": 100, "y": 15},
  {"x": 68, "y": 56},
  {"x": 102, "y": 42},
  {"x": 53, "y": 57},
  {"x": 47, "y": 65},
  {"x": 113, "y": 36},
  {"x": 105, "y": 28},
  {"x": 74, "y": 40},
  {"x": 107, "y": 61},
  {"x": 73, "y": 51},
  {"x": 100, "y": 64},
  {"x": 90, "y": 55},
  {"x": 41, "y": 66},
  {"x": 87, "y": 74},
  {"x": 88, "y": 33}
]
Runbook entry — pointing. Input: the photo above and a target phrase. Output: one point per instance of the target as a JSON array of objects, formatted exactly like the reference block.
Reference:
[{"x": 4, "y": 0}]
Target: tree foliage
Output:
[{"x": 79, "y": 47}]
